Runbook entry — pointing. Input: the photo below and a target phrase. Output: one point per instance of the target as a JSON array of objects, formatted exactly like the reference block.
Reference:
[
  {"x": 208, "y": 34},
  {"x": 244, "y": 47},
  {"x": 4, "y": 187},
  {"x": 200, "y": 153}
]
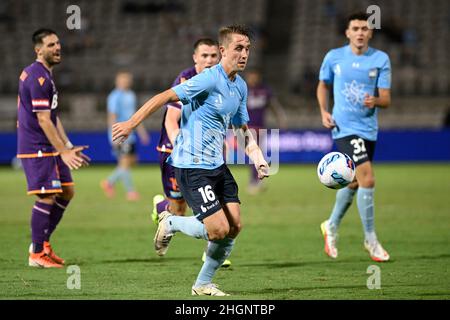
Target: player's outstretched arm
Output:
[
  {"x": 253, "y": 151},
  {"x": 121, "y": 130}
]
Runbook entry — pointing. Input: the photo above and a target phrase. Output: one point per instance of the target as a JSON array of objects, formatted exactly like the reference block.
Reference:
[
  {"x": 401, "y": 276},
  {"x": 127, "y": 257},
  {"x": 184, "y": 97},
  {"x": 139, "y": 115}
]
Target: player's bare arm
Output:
[
  {"x": 323, "y": 93},
  {"x": 62, "y": 133},
  {"x": 171, "y": 123},
  {"x": 382, "y": 101},
  {"x": 121, "y": 130},
  {"x": 68, "y": 144},
  {"x": 69, "y": 156},
  {"x": 253, "y": 151}
]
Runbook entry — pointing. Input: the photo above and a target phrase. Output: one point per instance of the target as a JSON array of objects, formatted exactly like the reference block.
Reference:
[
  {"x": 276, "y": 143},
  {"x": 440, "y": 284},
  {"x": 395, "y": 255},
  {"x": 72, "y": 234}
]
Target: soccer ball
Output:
[{"x": 336, "y": 170}]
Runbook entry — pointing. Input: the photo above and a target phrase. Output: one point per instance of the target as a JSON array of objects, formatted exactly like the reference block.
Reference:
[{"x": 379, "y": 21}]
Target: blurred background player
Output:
[
  {"x": 121, "y": 105},
  {"x": 260, "y": 98},
  {"x": 212, "y": 101},
  {"x": 206, "y": 54},
  {"x": 46, "y": 153},
  {"x": 361, "y": 78}
]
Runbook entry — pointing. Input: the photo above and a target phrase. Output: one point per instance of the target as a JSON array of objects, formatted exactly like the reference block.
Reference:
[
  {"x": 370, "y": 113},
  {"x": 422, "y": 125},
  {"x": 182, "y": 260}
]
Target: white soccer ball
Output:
[{"x": 336, "y": 170}]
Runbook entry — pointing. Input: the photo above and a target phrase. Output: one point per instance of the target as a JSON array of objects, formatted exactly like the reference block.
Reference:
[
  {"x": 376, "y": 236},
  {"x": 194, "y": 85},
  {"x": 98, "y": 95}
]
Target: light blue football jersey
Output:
[
  {"x": 211, "y": 102},
  {"x": 352, "y": 76},
  {"x": 123, "y": 104}
]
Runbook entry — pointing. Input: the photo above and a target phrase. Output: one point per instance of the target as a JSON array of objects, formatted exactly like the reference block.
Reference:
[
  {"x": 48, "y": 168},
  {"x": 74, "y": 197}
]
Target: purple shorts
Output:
[
  {"x": 169, "y": 182},
  {"x": 46, "y": 174}
]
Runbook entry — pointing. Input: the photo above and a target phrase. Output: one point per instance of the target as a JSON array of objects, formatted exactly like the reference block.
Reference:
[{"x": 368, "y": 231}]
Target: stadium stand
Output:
[{"x": 153, "y": 40}]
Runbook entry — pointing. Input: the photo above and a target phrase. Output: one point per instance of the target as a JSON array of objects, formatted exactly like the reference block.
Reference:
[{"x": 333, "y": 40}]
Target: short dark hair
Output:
[
  {"x": 359, "y": 15},
  {"x": 40, "y": 34},
  {"x": 225, "y": 32},
  {"x": 205, "y": 41}
]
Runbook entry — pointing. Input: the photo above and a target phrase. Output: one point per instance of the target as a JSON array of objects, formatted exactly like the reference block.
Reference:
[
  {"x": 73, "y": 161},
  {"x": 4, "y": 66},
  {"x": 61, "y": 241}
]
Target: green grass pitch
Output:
[{"x": 278, "y": 255}]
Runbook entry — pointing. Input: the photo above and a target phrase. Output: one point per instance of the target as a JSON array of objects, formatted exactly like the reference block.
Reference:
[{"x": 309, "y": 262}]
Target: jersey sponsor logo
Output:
[
  {"x": 355, "y": 65},
  {"x": 358, "y": 158},
  {"x": 41, "y": 81},
  {"x": 40, "y": 103},
  {"x": 208, "y": 207}
]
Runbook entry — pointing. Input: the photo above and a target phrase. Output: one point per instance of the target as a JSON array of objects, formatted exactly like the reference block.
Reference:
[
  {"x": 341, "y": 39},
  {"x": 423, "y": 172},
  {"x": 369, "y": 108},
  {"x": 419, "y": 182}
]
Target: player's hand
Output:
[
  {"x": 263, "y": 169},
  {"x": 327, "y": 120},
  {"x": 72, "y": 157},
  {"x": 86, "y": 159},
  {"x": 121, "y": 131},
  {"x": 369, "y": 101}
]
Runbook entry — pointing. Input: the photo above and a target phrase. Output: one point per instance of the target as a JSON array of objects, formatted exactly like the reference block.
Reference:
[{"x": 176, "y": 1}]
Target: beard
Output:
[{"x": 52, "y": 60}]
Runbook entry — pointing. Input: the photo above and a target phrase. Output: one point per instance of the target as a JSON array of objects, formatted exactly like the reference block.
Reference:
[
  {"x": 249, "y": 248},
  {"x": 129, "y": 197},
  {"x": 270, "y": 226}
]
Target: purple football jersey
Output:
[
  {"x": 257, "y": 103},
  {"x": 37, "y": 93},
  {"x": 164, "y": 144}
]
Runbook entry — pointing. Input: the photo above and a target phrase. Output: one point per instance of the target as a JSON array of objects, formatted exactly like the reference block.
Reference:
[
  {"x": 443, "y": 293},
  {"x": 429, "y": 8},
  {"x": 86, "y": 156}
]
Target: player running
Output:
[
  {"x": 211, "y": 101},
  {"x": 206, "y": 54},
  {"x": 361, "y": 80}
]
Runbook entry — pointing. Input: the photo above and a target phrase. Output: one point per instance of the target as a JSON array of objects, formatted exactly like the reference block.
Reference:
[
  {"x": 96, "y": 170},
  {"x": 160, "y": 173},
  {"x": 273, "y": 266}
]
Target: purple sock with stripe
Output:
[
  {"x": 40, "y": 217},
  {"x": 56, "y": 214},
  {"x": 162, "y": 206}
]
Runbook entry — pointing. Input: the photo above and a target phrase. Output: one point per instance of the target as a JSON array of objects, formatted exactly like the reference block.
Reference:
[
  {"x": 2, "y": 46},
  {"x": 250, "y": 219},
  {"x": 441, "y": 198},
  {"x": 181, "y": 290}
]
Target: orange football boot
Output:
[
  {"x": 42, "y": 260},
  {"x": 49, "y": 252}
]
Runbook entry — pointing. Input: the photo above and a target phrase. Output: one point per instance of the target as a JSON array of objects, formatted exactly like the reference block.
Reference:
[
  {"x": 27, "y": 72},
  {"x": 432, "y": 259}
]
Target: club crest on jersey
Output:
[{"x": 373, "y": 73}]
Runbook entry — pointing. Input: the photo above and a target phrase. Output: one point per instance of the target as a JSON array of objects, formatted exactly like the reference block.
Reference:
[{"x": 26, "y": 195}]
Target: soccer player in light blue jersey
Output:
[
  {"x": 121, "y": 105},
  {"x": 212, "y": 100},
  {"x": 361, "y": 79}
]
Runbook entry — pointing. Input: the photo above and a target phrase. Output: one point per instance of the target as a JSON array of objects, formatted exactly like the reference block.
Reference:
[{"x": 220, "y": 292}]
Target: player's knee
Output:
[
  {"x": 219, "y": 232},
  {"x": 368, "y": 182}
]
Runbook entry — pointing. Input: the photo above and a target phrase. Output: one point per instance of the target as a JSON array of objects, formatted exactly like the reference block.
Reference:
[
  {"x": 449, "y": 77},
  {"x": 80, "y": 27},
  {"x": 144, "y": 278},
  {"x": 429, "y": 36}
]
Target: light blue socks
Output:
[
  {"x": 365, "y": 204},
  {"x": 216, "y": 253},
  {"x": 190, "y": 226},
  {"x": 124, "y": 176},
  {"x": 344, "y": 198}
]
